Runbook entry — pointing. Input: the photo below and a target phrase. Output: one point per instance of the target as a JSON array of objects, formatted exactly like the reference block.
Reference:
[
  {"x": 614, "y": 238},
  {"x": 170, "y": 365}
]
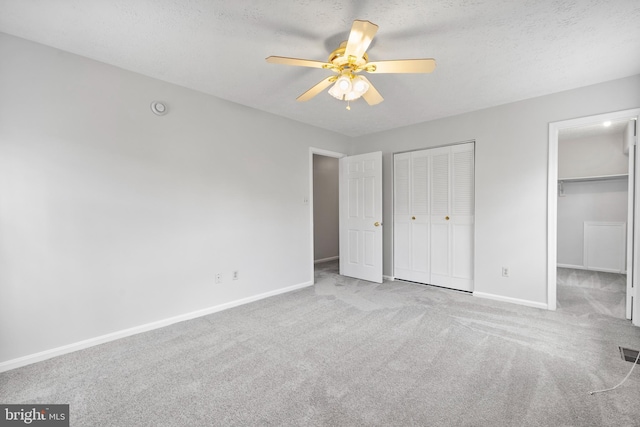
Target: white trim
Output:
[
  {"x": 388, "y": 278},
  {"x": 552, "y": 218},
  {"x": 511, "y": 300},
  {"x": 631, "y": 201},
  {"x": 582, "y": 267},
  {"x": 552, "y": 190},
  {"x": 574, "y": 267},
  {"x": 331, "y": 258},
  {"x": 81, "y": 345},
  {"x": 321, "y": 152}
]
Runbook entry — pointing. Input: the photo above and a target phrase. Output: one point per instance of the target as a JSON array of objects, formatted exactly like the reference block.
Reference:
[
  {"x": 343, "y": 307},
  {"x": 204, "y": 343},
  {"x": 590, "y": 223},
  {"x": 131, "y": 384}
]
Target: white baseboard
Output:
[
  {"x": 81, "y": 345},
  {"x": 511, "y": 300},
  {"x": 331, "y": 258},
  {"x": 582, "y": 267},
  {"x": 575, "y": 267}
]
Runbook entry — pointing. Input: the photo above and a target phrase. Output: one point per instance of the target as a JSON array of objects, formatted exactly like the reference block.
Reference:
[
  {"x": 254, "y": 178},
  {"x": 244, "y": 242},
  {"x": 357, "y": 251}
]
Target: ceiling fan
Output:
[{"x": 348, "y": 60}]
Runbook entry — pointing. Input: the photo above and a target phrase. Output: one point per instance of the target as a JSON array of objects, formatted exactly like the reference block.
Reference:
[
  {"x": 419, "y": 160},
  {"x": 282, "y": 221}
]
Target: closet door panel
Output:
[
  {"x": 402, "y": 250},
  {"x": 440, "y": 192},
  {"x": 462, "y": 256},
  {"x": 402, "y": 185},
  {"x": 420, "y": 216},
  {"x": 462, "y": 216},
  {"x": 440, "y": 255},
  {"x": 401, "y": 216},
  {"x": 419, "y": 183},
  {"x": 440, "y": 226},
  {"x": 462, "y": 188},
  {"x": 420, "y": 251}
]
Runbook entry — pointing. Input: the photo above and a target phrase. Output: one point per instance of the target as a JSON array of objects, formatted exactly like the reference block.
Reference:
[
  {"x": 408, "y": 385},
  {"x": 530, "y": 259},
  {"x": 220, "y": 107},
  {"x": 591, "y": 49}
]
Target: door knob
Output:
[
  {"x": 377, "y": 224},
  {"x": 413, "y": 217},
  {"x": 446, "y": 217}
]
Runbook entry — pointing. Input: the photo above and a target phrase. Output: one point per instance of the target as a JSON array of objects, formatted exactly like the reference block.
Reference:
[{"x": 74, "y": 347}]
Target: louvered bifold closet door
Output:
[
  {"x": 420, "y": 256},
  {"x": 402, "y": 216},
  {"x": 440, "y": 246},
  {"x": 411, "y": 216},
  {"x": 434, "y": 216},
  {"x": 462, "y": 216}
]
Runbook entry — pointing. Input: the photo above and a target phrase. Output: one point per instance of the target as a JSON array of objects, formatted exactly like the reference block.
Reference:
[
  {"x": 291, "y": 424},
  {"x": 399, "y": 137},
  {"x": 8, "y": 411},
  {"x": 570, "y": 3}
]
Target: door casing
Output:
[{"x": 552, "y": 207}]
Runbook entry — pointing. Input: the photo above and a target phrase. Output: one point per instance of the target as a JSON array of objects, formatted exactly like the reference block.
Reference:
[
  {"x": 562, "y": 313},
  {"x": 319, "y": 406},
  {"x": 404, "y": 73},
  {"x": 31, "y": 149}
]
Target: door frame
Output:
[
  {"x": 321, "y": 152},
  {"x": 552, "y": 204}
]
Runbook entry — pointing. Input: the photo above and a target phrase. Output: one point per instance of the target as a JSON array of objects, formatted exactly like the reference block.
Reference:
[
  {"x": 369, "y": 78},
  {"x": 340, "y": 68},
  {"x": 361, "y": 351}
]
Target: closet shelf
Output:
[{"x": 594, "y": 178}]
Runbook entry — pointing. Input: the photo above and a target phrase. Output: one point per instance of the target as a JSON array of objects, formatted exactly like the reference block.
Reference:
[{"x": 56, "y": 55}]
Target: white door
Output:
[
  {"x": 411, "y": 216},
  {"x": 440, "y": 181},
  {"x": 361, "y": 216},
  {"x": 630, "y": 218},
  {"x": 462, "y": 216}
]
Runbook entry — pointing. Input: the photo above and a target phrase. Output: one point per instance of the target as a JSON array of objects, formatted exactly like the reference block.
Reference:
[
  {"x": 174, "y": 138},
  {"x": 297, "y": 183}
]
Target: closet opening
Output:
[
  {"x": 592, "y": 234},
  {"x": 592, "y": 218}
]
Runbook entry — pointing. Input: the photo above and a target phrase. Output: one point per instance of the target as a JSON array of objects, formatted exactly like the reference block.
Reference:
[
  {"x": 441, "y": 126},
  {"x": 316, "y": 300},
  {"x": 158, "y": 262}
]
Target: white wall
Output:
[
  {"x": 112, "y": 217},
  {"x": 587, "y": 201},
  {"x": 511, "y": 179},
  {"x": 325, "y": 207}
]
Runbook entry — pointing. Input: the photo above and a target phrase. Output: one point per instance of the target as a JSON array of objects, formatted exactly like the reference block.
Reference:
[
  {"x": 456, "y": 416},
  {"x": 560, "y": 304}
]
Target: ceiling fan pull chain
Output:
[{"x": 348, "y": 106}]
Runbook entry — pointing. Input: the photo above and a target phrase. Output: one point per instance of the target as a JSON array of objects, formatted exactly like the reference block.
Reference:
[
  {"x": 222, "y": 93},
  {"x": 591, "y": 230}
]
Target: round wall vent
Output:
[{"x": 158, "y": 108}]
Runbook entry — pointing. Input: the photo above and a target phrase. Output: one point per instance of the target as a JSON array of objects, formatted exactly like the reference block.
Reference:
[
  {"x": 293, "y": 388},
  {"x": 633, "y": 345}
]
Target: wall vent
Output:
[{"x": 629, "y": 355}]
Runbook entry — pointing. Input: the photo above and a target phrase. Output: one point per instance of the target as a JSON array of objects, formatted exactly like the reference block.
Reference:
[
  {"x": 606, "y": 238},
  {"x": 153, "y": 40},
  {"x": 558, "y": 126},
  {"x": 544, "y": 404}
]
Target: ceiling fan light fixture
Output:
[
  {"x": 344, "y": 84},
  {"x": 349, "y": 88},
  {"x": 341, "y": 88},
  {"x": 360, "y": 86}
]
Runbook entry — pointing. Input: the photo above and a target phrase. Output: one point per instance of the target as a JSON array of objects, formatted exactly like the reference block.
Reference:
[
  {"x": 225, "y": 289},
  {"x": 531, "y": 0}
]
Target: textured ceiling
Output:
[{"x": 488, "y": 52}]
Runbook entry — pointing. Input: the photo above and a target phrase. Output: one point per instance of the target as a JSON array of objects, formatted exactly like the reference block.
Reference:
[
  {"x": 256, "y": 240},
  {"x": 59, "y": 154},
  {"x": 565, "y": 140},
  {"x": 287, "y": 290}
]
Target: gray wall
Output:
[
  {"x": 325, "y": 207},
  {"x": 512, "y": 145},
  {"x": 112, "y": 217}
]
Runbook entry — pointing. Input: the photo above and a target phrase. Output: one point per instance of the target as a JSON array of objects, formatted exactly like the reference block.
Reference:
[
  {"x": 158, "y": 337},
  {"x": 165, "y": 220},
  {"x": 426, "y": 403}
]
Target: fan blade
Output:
[
  {"x": 402, "y": 66},
  {"x": 372, "y": 96},
  {"x": 317, "y": 89},
  {"x": 362, "y": 33},
  {"x": 298, "y": 62}
]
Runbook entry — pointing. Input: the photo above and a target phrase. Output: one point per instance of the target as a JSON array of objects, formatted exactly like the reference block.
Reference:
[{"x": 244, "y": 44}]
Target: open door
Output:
[
  {"x": 633, "y": 245},
  {"x": 361, "y": 216}
]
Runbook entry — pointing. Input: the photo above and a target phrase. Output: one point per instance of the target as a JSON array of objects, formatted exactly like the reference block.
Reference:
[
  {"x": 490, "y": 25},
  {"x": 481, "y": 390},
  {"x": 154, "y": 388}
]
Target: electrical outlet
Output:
[
  {"x": 218, "y": 277},
  {"x": 235, "y": 275},
  {"x": 505, "y": 272}
]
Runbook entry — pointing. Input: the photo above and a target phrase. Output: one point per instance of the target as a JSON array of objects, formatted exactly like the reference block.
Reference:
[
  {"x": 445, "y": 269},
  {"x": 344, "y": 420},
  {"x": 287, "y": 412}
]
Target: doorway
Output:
[
  {"x": 593, "y": 199},
  {"x": 323, "y": 207},
  {"x": 555, "y": 189}
]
